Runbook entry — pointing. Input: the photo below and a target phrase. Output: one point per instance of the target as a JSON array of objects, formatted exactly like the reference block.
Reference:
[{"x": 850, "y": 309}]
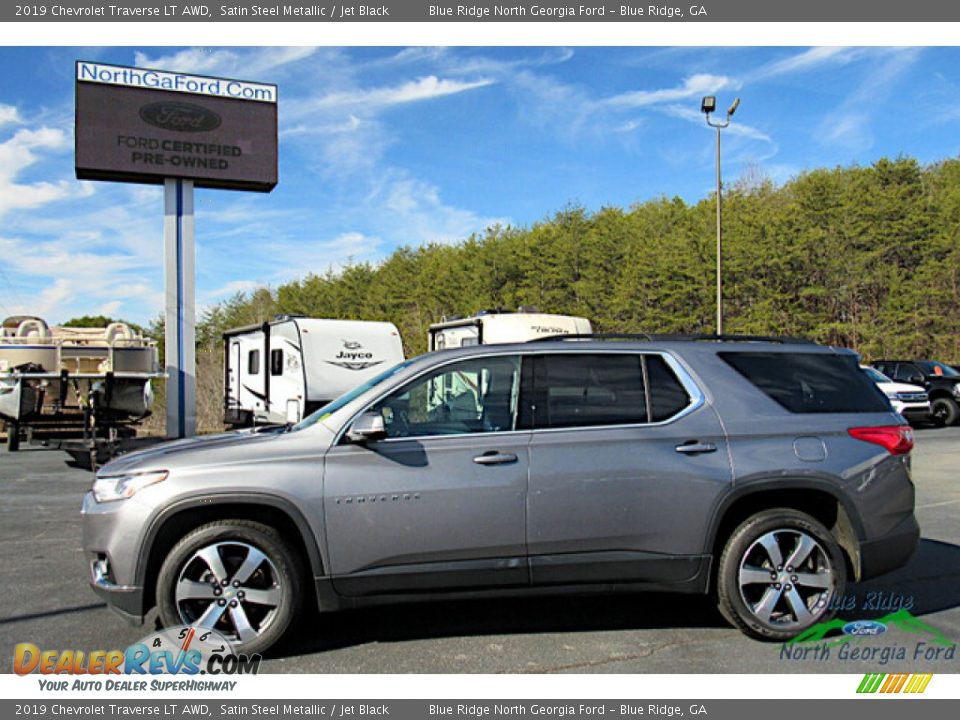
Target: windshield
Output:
[
  {"x": 334, "y": 405},
  {"x": 876, "y": 375},
  {"x": 937, "y": 368}
]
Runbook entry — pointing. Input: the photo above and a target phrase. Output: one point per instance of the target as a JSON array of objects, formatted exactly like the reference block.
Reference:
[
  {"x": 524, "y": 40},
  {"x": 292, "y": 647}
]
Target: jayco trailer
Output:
[
  {"x": 497, "y": 326},
  {"x": 281, "y": 371}
]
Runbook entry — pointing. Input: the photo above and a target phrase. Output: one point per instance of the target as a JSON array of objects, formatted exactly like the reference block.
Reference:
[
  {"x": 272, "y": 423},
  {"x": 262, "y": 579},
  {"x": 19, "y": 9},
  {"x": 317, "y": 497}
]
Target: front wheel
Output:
[
  {"x": 237, "y": 577},
  {"x": 780, "y": 573},
  {"x": 944, "y": 411}
]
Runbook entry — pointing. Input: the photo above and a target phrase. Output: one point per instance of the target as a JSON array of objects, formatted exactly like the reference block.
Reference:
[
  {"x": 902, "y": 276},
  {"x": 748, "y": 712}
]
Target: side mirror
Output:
[
  {"x": 915, "y": 379},
  {"x": 368, "y": 426}
]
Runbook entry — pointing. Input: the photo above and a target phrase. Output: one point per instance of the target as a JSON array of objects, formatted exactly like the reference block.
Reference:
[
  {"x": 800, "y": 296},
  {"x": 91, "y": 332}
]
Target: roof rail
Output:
[
  {"x": 593, "y": 336},
  {"x": 783, "y": 340}
]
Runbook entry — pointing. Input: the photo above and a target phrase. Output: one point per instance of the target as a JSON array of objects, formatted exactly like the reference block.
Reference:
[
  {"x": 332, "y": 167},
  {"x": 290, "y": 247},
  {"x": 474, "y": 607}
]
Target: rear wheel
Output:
[
  {"x": 779, "y": 574},
  {"x": 237, "y": 577},
  {"x": 944, "y": 411}
]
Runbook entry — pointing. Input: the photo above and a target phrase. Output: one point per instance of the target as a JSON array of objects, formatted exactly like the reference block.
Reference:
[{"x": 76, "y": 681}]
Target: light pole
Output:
[{"x": 707, "y": 106}]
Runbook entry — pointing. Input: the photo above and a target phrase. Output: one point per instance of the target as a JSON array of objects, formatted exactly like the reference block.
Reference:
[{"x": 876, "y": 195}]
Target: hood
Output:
[
  {"x": 900, "y": 387},
  {"x": 191, "y": 451}
]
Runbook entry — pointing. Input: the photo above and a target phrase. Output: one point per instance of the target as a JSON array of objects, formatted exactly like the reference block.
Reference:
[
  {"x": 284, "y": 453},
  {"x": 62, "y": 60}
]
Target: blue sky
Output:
[{"x": 382, "y": 147}]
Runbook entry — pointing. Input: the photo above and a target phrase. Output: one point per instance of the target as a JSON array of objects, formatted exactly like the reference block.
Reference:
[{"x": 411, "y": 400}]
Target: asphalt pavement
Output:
[{"x": 44, "y": 599}]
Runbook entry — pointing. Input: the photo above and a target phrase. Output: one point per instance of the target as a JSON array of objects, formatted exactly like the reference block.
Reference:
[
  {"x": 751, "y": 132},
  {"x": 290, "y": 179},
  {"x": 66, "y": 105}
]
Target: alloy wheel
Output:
[
  {"x": 232, "y": 587},
  {"x": 786, "y": 579}
]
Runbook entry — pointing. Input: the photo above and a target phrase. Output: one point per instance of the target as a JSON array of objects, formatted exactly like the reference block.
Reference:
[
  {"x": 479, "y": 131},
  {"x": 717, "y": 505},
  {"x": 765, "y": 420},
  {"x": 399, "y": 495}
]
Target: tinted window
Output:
[
  {"x": 253, "y": 362},
  {"x": 473, "y": 396},
  {"x": 938, "y": 368},
  {"x": 876, "y": 375},
  {"x": 906, "y": 372},
  {"x": 886, "y": 368},
  {"x": 276, "y": 362},
  {"x": 589, "y": 390},
  {"x": 667, "y": 396},
  {"x": 810, "y": 383}
]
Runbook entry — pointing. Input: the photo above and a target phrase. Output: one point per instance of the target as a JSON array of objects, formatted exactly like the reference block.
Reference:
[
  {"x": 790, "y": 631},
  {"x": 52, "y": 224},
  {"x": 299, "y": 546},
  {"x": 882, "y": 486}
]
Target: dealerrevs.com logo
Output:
[{"x": 173, "y": 651}]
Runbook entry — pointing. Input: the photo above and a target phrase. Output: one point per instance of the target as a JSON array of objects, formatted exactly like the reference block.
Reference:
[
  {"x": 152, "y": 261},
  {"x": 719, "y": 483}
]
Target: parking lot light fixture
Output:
[{"x": 708, "y": 106}]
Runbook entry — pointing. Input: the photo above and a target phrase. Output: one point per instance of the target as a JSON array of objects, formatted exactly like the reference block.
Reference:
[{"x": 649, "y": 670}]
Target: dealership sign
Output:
[{"x": 142, "y": 125}]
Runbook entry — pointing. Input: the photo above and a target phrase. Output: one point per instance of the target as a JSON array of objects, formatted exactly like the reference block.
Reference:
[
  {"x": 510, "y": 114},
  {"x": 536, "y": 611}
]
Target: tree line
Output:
[{"x": 860, "y": 257}]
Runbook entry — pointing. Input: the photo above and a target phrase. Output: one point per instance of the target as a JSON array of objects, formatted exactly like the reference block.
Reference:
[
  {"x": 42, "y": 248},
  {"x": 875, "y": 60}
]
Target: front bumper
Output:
[
  {"x": 125, "y": 600},
  {"x": 892, "y": 551},
  {"x": 111, "y": 542},
  {"x": 913, "y": 411}
]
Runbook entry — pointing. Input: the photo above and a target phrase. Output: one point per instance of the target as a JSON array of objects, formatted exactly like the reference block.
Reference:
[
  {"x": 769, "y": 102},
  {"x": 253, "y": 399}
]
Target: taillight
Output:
[{"x": 897, "y": 439}]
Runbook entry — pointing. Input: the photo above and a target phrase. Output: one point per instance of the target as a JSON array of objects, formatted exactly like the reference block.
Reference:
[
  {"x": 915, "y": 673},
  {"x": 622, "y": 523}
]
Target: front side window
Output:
[
  {"x": 472, "y": 396},
  {"x": 938, "y": 368},
  {"x": 253, "y": 362},
  {"x": 906, "y": 372}
]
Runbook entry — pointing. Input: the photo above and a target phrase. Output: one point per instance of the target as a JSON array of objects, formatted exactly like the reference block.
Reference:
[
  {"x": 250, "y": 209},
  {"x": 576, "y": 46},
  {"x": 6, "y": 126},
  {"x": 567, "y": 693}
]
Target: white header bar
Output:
[{"x": 175, "y": 82}]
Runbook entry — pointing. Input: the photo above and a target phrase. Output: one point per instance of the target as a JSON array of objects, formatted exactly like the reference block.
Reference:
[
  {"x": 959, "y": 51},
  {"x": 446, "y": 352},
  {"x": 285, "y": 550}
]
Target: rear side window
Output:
[
  {"x": 590, "y": 390},
  {"x": 667, "y": 396},
  {"x": 810, "y": 382}
]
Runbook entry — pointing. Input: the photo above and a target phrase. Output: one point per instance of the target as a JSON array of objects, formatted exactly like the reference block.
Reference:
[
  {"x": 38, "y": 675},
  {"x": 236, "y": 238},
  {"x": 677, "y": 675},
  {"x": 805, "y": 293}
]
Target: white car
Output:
[{"x": 911, "y": 401}]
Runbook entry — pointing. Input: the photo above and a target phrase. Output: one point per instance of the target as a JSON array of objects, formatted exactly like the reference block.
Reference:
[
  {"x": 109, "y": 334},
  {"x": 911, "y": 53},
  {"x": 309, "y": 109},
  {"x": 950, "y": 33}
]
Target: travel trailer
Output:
[
  {"x": 498, "y": 326},
  {"x": 281, "y": 371},
  {"x": 70, "y": 377}
]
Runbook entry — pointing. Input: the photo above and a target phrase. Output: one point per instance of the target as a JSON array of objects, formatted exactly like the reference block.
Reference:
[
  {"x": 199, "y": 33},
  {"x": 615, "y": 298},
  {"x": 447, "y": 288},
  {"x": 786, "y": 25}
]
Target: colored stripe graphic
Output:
[{"x": 911, "y": 683}]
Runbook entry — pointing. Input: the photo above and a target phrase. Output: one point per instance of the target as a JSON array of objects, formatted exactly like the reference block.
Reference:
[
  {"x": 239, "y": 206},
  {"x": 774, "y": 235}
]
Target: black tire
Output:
[
  {"x": 743, "y": 603},
  {"x": 944, "y": 411},
  {"x": 277, "y": 578},
  {"x": 13, "y": 437}
]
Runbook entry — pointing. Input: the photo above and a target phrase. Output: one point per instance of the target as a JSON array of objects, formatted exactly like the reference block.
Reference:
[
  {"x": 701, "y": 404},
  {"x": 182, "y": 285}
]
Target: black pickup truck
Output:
[{"x": 942, "y": 382}]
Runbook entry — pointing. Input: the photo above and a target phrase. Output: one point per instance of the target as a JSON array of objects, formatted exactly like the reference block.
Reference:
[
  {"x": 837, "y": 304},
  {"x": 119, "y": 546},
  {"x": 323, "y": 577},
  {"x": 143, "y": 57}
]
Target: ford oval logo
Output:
[
  {"x": 864, "y": 627},
  {"x": 180, "y": 117}
]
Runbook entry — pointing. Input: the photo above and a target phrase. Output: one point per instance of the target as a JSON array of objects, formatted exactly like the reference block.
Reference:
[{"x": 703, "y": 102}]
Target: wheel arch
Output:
[
  {"x": 174, "y": 522},
  {"x": 819, "y": 499}
]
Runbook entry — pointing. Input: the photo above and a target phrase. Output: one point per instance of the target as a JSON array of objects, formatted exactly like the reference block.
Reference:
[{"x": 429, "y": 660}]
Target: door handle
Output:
[
  {"x": 494, "y": 457},
  {"x": 695, "y": 448}
]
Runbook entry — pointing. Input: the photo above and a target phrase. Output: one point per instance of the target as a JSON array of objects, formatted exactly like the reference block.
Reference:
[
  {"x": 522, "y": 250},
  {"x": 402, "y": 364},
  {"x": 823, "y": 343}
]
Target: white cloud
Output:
[
  {"x": 23, "y": 150},
  {"x": 9, "y": 115},
  {"x": 849, "y": 125},
  {"x": 735, "y": 128},
  {"x": 805, "y": 61},
  {"x": 692, "y": 86},
  {"x": 371, "y": 100},
  {"x": 243, "y": 64},
  {"x": 414, "y": 210},
  {"x": 231, "y": 288}
]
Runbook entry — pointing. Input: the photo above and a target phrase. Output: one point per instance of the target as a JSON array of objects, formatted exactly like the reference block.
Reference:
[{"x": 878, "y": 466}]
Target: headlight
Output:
[
  {"x": 956, "y": 389},
  {"x": 120, "y": 487}
]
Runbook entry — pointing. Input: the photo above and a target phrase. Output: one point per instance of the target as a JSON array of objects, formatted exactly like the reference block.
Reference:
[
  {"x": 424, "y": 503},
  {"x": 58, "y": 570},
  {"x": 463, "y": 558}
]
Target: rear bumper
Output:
[{"x": 892, "y": 551}]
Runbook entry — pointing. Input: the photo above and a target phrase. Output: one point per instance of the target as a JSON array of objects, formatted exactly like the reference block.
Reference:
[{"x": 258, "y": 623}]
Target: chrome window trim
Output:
[{"x": 696, "y": 395}]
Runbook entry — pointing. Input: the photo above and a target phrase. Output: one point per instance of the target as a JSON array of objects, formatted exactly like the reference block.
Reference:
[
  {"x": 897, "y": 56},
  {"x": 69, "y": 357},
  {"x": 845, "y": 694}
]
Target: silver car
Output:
[{"x": 769, "y": 472}]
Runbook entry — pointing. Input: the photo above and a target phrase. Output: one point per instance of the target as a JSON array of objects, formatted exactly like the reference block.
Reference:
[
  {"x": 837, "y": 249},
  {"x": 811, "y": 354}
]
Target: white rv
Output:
[
  {"x": 281, "y": 371},
  {"x": 497, "y": 326}
]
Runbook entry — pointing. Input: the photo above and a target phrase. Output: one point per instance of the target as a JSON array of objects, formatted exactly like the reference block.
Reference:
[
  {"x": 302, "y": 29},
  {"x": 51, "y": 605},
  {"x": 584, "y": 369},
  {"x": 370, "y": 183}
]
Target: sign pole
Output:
[{"x": 180, "y": 312}]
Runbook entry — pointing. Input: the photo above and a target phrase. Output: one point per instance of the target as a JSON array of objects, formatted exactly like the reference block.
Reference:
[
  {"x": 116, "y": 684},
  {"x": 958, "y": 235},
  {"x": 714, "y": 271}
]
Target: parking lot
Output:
[{"x": 46, "y": 601}]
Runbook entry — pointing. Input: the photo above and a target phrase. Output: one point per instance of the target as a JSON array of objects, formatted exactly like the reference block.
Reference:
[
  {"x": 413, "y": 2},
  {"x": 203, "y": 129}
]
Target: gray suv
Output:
[{"x": 768, "y": 472}]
